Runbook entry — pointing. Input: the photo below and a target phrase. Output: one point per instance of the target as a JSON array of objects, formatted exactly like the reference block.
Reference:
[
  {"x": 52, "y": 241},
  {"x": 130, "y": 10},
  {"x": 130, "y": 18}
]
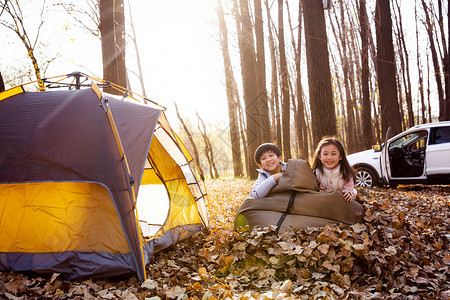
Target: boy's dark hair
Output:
[
  {"x": 263, "y": 148},
  {"x": 347, "y": 171}
]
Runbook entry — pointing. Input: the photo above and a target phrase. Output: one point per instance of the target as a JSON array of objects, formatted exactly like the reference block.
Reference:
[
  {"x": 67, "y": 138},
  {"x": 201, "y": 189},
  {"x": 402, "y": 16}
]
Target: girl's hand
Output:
[{"x": 347, "y": 196}]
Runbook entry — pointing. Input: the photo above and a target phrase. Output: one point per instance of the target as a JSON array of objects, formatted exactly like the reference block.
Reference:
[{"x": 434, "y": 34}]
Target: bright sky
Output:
[
  {"x": 177, "y": 39},
  {"x": 179, "y": 49}
]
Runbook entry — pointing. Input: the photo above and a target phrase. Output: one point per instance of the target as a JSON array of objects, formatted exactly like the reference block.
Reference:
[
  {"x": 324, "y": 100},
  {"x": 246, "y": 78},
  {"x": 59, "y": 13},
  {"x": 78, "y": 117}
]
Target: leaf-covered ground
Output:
[{"x": 401, "y": 251}]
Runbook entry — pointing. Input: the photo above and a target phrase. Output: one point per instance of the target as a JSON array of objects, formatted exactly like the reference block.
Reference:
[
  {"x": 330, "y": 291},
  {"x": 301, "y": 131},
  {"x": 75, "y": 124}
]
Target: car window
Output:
[
  {"x": 409, "y": 139},
  {"x": 420, "y": 144},
  {"x": 440, "y": 135}
]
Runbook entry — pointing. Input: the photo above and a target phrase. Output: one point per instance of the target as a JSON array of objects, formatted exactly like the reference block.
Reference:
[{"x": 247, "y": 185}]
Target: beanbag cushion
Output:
[{"x": 296, "y": 202}]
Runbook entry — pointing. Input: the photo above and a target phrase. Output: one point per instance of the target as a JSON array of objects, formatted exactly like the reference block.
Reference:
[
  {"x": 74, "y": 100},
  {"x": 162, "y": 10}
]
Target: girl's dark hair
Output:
[
  {"x": 263, "y": 148},
  {"x": 346, "y": 170}
]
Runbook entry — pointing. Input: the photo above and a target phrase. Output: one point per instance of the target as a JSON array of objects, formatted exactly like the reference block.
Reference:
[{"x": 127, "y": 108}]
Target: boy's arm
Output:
[{"x": 263, "y": 186}]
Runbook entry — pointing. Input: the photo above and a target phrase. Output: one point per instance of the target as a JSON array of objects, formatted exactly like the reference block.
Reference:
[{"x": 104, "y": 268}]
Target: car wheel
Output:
[{"x": 365, "y": 177}]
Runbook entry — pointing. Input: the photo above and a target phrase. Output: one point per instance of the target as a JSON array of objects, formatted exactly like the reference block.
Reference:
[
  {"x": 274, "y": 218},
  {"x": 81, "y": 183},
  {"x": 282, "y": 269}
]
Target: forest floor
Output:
[{"x": 401, "y": 251}]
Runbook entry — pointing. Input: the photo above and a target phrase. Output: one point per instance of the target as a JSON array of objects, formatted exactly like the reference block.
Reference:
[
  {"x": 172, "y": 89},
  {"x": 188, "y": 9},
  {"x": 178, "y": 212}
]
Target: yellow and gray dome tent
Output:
[{"x": 91, "y": 184}]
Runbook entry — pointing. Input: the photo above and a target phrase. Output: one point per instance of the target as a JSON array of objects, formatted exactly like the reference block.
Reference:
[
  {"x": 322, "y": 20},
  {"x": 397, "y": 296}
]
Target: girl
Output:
[{"x": 332, "y": 168}]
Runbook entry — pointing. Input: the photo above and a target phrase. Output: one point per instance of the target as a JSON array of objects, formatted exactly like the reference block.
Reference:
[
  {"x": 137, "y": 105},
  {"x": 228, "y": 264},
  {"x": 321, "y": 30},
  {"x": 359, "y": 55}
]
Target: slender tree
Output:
[
  {"x": 323, "y": 115},
  {"x": 300, "y": 115},
  {"x": 138, "y": 56},
  {"x": 263, "y": 107},
  {"x": 106, "y": 9},
  {"x": 231, "y": 94},
  {"x": 428, "y": 87},
  {"x": 248, "y": 69},
  {"x": 445, "y": 58},
  {"x": 447, "y": 71},
  {"x": 208, "y": 149},
  {"x": 353, "y": 53},
  {"x": 419, "y": 68},
  {"x": 14, "y": 10},
  {"x": 190, "y": 138},
  {"x": 366, "y": 111},
  {"x": 274, "y": 99},
  {"x": 241, "y": 121},
  {"x": 112, "y": 31},
  {"x": 352, "y": 141},
  {"x": 436, "y": 63},
  {"x": 390, "y": 110},
  {"x": 2, "y": 83},
  {"x": 285, "y": 96},
  {"x": 119, "y": 39},
  {"x": 404, "y": 63}
]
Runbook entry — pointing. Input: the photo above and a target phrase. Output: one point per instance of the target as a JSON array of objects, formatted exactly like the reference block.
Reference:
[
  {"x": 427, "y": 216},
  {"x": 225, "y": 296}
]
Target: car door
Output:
[
  {"x": 406, "y": 156},
  {"x": 384, "y": 159},
  {"x": 438, "y": 151}
]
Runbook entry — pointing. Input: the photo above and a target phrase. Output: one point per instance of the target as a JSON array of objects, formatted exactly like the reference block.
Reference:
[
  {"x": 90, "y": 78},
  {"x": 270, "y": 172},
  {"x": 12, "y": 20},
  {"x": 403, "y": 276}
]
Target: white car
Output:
[{"x": 420, "y": 154}]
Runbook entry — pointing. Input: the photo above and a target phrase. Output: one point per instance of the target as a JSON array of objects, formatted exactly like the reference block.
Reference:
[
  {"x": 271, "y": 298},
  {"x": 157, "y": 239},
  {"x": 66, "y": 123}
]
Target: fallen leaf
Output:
[
  {"x": 175, "y": 292},
  {"x": 149, "y": 284},
  {"x": 359, "y": 227}
]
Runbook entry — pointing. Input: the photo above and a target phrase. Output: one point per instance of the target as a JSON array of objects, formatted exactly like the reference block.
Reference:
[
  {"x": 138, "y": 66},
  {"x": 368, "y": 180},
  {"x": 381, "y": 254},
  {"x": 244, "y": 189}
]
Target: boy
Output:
[{"x": 271, "y": 168}]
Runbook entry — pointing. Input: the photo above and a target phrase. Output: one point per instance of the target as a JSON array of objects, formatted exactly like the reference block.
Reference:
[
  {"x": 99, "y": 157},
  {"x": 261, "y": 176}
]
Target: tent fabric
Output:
[
  {"x": 36, "y": 218},
  {"x": 184, "y": 191},
  {"x": 72, "y": 265},
  {"x": 71, "y": 166},
  {"x": 309, "y": 208},
  {"x": 169, "y": 238},
  {"x": 64, "y": 136},
  {"x": 11, "y": 92}
]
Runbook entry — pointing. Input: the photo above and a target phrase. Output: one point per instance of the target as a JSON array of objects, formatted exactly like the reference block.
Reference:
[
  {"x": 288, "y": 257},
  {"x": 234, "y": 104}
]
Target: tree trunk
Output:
[
  {"x": 263, "y": 107},
  {"x": 112, "y": 29},
  {"x": 366, "y": 111},
  {"x": 404, "y": 60},
  {"x": 377, "y": 121},
  {"x": 248, "y": 69},
  {"x": 419, "y": 68},
  {"x": 400, "y": 99},
  {"x": 108, "y": 44},
  {"x": 445, "y": 60},
  {"x": 390, "y": 113},
  {"x": 351, "y": 128},
  {"x": 119, "y": 38},
  {"x": 231, "y": 95},
  {"x": 436, "y": 64},
  {"x": 428, "y": 88},
  {"x": 2, "y": 83},
  {"x": 242, "y": 131},
  {"x": 447, "y": 71},
  {"x": 191, "y": 139},
  {"x": 354, "y": 72},
  {"x": 300, "y": 120},
  {"x": 340, "y": 111},
  {"x": 373, "y": 87},
  {"x": 208, "y": 150},
  {"x": 274, "y": 82},
  {"x": 323, "y": 115},
  {"x": 285, "y": 97},
  {"x": 138, "y": 57}
]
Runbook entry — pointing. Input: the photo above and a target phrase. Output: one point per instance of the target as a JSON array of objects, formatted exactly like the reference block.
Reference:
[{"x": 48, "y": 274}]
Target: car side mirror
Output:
[{"x": 376, "y": 147}]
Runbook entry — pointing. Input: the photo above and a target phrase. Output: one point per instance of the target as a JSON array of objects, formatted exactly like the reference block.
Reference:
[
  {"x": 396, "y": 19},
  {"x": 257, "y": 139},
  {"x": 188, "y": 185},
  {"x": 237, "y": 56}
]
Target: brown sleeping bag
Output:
[{"x": 296, "y": 202}]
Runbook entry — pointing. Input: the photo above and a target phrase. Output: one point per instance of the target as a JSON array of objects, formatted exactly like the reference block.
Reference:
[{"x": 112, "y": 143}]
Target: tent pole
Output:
[{"x": 130, "y": 181}]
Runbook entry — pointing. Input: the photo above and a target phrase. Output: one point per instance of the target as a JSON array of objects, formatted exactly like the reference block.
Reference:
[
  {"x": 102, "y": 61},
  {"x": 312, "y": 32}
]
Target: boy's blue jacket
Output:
[{"x": 265, "y": 182}]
